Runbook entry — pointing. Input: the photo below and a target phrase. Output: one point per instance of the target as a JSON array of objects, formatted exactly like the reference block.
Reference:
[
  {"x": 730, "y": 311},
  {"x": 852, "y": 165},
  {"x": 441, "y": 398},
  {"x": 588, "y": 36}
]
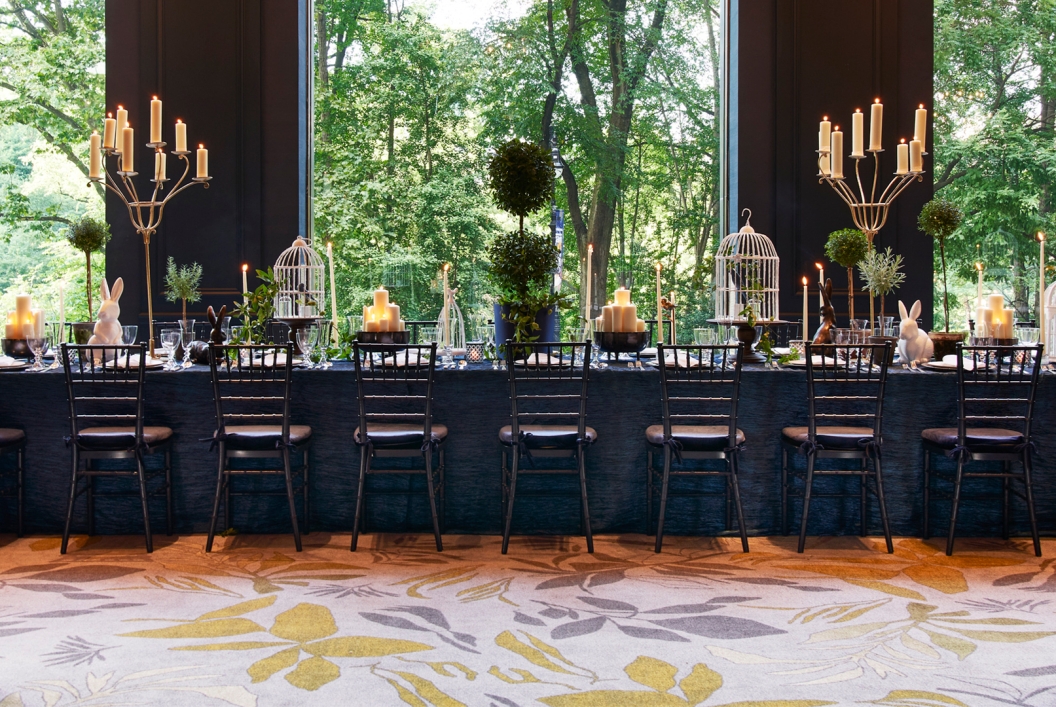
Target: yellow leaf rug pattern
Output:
[{"x": 255, "y": 624}]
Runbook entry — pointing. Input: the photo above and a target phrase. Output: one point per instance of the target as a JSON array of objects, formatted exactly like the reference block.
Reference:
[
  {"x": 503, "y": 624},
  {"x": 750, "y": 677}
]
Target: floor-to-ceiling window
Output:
[
  {"x": 411, "y": 97},
  {"x": 52, "y": 82},
  {"x": 995, "y": 145}
]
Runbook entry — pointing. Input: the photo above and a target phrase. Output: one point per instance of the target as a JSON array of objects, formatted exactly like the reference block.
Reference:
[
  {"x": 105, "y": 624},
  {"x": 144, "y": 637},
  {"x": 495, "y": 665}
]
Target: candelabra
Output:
[
  {"x": 146, "y": 215},
  {"x": 868, "y": 213}
]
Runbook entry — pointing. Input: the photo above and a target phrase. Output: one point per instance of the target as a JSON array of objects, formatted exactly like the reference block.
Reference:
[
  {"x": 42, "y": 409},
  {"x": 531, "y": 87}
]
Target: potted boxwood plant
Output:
[
  {"x": 182, "y": 283},
  {"x": 847, "y": 247},
  {"x": 87, "y": 235},
  {"x": 521, "y": 179},
  {"x": 939, "y": 219}
]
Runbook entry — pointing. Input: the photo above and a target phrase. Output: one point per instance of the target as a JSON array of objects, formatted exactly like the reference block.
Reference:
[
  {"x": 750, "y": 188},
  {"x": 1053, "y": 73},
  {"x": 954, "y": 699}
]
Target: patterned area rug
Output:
[{"x": 396, "y": 623}]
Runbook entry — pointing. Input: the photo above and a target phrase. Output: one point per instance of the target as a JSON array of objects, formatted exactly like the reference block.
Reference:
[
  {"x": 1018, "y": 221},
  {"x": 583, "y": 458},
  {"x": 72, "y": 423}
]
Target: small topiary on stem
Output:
[
  {"x": 521, "y": 177},
  {"x": 881, "y": 272},
  {"x": 88, "y": 236},
  {"x": 182, "y": 283},
  {"x": 847, "y": 247},
  {"x": 939, "y": 218}
]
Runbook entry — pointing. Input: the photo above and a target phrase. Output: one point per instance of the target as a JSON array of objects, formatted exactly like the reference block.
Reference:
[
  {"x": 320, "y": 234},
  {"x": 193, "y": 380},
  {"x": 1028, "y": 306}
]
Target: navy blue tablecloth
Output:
[{"x": 474, "y": 404}]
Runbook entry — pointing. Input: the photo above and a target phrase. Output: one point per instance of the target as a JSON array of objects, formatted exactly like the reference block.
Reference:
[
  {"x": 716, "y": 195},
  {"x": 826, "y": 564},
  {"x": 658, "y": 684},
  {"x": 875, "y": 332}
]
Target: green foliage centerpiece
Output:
[
  {"x": 882, "y": 272},
  {"x": 847, "y": 247},
  {"x": 939, "y": 219},
  {"x": 521, "y": 177},
  {"x": 88, "y": 236},
  {"x": 256, "y": 309},
  {"x": 182, "y": 283}
]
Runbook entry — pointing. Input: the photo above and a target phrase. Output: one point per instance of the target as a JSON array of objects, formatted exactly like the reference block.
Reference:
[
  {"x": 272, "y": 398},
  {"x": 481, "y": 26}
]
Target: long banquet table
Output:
[{"x": 474, "y": 403}]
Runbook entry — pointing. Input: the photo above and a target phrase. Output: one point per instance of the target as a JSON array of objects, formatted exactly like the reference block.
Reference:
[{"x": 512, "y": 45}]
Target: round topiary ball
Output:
[{"x": 521, "y": 177}]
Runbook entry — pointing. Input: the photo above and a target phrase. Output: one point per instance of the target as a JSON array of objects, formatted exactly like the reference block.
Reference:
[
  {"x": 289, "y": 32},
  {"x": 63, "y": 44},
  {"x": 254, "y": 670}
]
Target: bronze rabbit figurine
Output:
[
  {"x": 828, "y": 316},
  {"x": 200, "y": 349}
]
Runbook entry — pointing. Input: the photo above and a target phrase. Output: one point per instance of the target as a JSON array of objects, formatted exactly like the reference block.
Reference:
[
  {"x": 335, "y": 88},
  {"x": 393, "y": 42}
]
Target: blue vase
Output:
[{"x": 545, "y": 318}]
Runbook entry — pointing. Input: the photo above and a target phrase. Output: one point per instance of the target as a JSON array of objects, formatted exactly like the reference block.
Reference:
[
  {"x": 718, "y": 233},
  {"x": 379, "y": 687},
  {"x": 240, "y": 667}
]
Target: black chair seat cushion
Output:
[
  {"x": 119, "y": 438},
  {"x": 547, "y": 436},
  {"x": 9, "y": 436},
  {"x": 979, "y": 439},
  {"x": 830, "y": 437},
  {"x": 401, "y": 435},
  {"x": 259, "y": 437},
  {"x": 694, "y": 438}
]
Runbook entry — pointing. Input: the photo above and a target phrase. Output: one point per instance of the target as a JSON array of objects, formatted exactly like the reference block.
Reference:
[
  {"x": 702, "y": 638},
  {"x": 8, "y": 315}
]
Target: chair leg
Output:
[
  {"x": 20, "y": 478},
  {"x": 432, "y": 498},
  {"x": 880, "y": 501},
  {"x": 290, "y": 498},
  {"x": 1028, "y": 484},
  {"x": 784, "y": 490},
  {"x": 862, "y": 504},
  {"x": 221, "y": 483},
  {"x": 90, "y": 493},
  {"x": 306, "y": 492},
  {"x": 1006, "y": 484},
  {"x": 516, "y": 457},
  {"x": 168, "y": 492},
  {"x": 926, "y": 516},
  {"x": 141, "y": 473},
  {"x": 806, "y": 503},
  {"x": 69, "y": 506},
  {"x": 956, "y": 505},
  {"x": 443, "y": 494},
  {"x": 504, "y": 487},
  {"x": 736, "y": 486},
  {"x": 581, "y": 453},
  {"x": 663, "y": 499},
  {"x": 649, "y": 492},
  {"x": 364, "y": 463}
]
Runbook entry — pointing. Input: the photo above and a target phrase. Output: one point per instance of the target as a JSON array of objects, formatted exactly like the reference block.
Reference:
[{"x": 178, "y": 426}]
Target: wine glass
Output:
[
  {"x": 55, "y": 337},
  {"x": 306, "y": 338},
  {"x": 170, "y": 340},
  {"x": 129, "y": 334},
  {"x": 37, "y": 346}
]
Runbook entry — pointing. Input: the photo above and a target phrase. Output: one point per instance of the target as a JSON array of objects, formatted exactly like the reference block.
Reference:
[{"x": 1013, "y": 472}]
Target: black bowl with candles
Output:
[
  {"x": 17, "y": 348},
  {"x": 622, "y": 341},
  {"x": 389, "y": 338}
]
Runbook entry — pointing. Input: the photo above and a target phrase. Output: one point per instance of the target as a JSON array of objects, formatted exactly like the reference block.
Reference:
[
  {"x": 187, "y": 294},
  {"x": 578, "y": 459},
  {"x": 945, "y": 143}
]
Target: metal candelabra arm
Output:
[{"x": 155, "y": 209}]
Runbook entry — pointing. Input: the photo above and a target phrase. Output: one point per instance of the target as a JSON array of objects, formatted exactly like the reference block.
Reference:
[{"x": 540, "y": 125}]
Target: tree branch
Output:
[{"x": 948, "y": 175}]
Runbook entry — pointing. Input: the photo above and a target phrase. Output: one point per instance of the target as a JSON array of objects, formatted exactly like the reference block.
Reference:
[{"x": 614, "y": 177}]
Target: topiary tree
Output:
[
  {"x": 521, "y": 178},
  {"x": 182, "y": 282},
  {"x": 848, "y": 247},
  {"x": 882, "y": 274},
  {"x": 939, "y": 218},
  {"x": 88, "y": 236}
]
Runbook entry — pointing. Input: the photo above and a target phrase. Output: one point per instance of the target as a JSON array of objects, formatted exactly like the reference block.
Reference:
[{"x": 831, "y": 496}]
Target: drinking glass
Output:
[
  {"x": 129, "y": 334},
  {"x": 37, "y": 346},
  {"x": 225, "y": 328},
  {"x": 170, "y": 340},
  {"x": 306, "y": 338},
  {"x": 705, "y": 336},
  {"x": 860, "y": 325},
  {"x": 187, "y": 338},
  {"x": 842, "y": 336},
  {"x": 578, "y": 336},
  {"x": 428, "y": 334},
  {"x": 1028, "y": 334},
  {"x": 355, "y": 324},
  {"x": 55, "y": 333},
  {"x": 886, "y": 324}
]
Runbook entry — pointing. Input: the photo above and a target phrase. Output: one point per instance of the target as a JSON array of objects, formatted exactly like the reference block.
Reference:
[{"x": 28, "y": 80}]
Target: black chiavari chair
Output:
[
  {"x": 548, "y": 398},
  {"x": 699, "y": 391},
  {"x": 104, "y": 387},
  {"x": 251, "y": 391},
  {"x": 395, "y": 391},
  {"x": 996, "y": 388},
  {"x": 845, "y": 398},
  {"x": 13, "y": 442}
]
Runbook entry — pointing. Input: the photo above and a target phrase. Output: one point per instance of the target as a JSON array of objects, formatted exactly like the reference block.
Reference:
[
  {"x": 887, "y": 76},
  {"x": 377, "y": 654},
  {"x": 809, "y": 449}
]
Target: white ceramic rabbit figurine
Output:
[
  {"x": 108, "y": 328},
  {"x": 914, "y": 345}
]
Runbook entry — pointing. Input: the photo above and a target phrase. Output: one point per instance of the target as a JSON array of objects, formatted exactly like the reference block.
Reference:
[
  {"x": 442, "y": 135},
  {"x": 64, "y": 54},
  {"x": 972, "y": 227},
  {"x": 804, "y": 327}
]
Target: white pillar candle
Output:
[
  {"x": 381, "y": 299},
  {"x": 607, "y": 313},
  {"x": 599, "y": 324},
  {"x": 659, "y": 308},
  {"x": 629, "y": 322},
  {"x": 805, "y": 320},
  {"x": 876, "y": 125},
  {"x": 181, "y": 136},
  {"x": 155, "y": 120},
  {"x": 1041, "y": 288},
  {"x": 640, "y": 325},
  {"x": 333, "y": 290},
  {"x": 36, "y": 329},
  {"x": 109, "y": 131},
  {"x": 623, "y": 296},
  {"x": 821, "y": 286},
  {"x": 444, "y": 315},
  {"x": 836, "y": 156},
  {"x": 824, "y": 158},
  {"x": 857, "y": 134},
  {"x": 920, "y": 126},
  {"x": 590, "y": 273},
  {"x": 203, "y": 162},
  {"x": 23, "y": 304},
  {"x": 128, "y": 150},
  {"x": 95, "y": 161},
  {"x": 916, "y": 157},
  {"x": 674, "y": 337},
  {"x": 979, "y": 287},
  {"x": 245, "y": 284},
  {"x": 122, "y": 119},
  {"x": 617, "y": 317},
  {"x": 371, "y": 324},
  {"x": 159, "y": 166},
  {"x": 982, "y": 321},
  {"x": 903, "y": 158},
  {"x": 393, "y": 315},
  {"x": 824, "y": 133},
  {"x": 11, "y": 329}
]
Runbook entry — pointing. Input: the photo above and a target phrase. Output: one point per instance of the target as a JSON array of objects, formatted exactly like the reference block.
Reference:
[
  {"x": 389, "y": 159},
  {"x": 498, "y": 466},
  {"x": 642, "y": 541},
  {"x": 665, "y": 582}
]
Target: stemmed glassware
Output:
[
  {"x": 37, "y": 346},
  {"x": 307, "y": 339},
  {"x": 56, "y": 332},
  {"x": 170, "y": 341},
  {"x": 129, "y": 334}
]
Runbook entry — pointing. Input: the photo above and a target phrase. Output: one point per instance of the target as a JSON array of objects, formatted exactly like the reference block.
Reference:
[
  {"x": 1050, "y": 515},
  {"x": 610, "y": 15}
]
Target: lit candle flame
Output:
[
  {"x": 804, "y": 282},
  {"x": 1041, "y": 237},
  {"x": 819, "y": 266},
  {"x": 245, "y": 267},
  {"x": 877, "y": 100},
  {"x": 979, "y": 267}
]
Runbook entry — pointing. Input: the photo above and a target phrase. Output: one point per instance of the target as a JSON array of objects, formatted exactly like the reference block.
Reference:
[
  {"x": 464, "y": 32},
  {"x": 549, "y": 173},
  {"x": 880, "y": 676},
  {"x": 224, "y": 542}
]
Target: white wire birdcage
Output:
[
  {"x": 746, "y": 272},
  {"x": 300, "y": 275}
]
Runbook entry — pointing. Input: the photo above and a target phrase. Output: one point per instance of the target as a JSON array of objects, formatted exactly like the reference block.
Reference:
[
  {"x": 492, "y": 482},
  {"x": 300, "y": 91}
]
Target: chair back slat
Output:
[
  {"x": 395, "y": 385},
  {"x": 846, "y": 385},
  {"x": 700, "y": 385},
  {"x": 252, "y": 384},
  {"x": 104, "y": 386},
  {"x": 548, "y": 383},
  {"x": 997, "y": 384}
]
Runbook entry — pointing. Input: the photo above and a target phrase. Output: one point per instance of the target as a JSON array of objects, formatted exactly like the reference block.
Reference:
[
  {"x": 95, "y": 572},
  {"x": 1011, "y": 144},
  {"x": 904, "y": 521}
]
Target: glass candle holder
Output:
[{"x": 475, "y": 351}]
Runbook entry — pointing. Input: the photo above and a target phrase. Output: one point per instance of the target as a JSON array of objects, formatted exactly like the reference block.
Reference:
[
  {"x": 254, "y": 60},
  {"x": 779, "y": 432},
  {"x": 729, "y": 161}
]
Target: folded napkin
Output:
[
  {"x": 406, "y": 358},
  {"x": 8, "y": 361}
]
